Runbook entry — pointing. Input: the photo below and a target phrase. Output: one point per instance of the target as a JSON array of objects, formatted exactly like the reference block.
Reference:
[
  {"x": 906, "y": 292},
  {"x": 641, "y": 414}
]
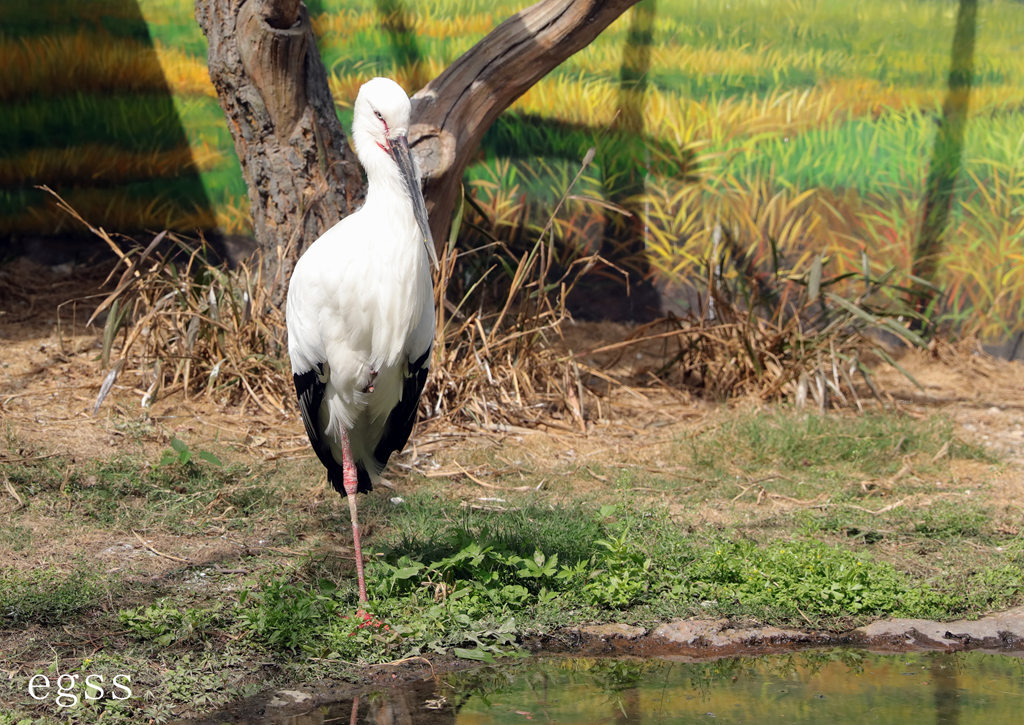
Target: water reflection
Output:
[
  {"x": 836, "y": 686},
  {"x": 947, "y": 695}
]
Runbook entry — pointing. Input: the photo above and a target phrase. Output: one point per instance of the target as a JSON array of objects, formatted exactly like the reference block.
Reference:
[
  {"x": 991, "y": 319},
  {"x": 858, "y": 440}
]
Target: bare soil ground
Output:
[{"x": 50, "y": 375}]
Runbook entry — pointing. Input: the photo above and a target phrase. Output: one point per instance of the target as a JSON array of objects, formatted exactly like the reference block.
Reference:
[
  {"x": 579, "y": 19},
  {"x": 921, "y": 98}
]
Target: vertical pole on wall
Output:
[
  {"x": 633, "y": 298},
  {"x": 946, "y": 160}
]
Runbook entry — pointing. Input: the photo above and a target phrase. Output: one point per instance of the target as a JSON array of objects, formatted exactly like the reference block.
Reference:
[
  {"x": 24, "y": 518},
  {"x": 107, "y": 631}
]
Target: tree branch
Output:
[
  {"x": 300, "y": 172},
  {"x": 453, "y": 111}
]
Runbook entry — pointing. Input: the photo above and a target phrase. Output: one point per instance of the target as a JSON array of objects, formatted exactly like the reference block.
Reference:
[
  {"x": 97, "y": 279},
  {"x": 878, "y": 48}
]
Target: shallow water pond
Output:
[{"x": 834, "y": 686}]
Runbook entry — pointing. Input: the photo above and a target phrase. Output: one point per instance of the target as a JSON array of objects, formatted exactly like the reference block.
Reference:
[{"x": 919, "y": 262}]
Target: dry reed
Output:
[{"x": 181, "y": 322}]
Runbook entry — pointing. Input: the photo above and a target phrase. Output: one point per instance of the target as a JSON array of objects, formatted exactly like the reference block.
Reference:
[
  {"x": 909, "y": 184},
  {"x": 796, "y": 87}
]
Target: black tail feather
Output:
[{"x": 310, "y": 390}]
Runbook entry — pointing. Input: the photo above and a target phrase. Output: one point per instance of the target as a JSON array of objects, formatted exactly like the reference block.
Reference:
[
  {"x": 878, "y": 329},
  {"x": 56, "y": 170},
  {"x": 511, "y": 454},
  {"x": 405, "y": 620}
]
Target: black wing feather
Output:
[
  {"x": 402, "y": 417},
  {"x": 310, "y": 389}
]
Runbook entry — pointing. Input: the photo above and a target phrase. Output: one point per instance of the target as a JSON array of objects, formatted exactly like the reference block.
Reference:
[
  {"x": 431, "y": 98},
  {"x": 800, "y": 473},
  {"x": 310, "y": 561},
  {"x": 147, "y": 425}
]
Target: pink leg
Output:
[{"x": 351, "y": 484}]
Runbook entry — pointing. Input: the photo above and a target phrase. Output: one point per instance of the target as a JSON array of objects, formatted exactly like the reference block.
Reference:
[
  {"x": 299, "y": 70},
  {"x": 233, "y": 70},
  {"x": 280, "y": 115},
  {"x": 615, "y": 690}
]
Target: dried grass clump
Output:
[
  {"x": 183, "y": 322},
  {"x": 783, "y": 334},
  {"x": 499, "y": 369},
  {"x": 501, "y": 364}
]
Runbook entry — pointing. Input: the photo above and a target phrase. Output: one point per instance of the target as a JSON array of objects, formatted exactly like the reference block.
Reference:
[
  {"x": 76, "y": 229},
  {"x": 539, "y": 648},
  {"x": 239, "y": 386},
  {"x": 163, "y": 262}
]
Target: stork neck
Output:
[{"x": 385, "y": 187}]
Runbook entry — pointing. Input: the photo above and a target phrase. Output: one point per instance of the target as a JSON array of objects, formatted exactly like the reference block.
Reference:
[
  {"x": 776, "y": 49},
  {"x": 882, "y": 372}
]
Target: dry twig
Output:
[{"x": 159, "y": 553}]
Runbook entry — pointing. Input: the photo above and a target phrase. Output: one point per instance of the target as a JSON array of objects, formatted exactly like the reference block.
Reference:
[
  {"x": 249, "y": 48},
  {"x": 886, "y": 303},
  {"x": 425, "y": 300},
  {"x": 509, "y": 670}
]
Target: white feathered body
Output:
[{"x": 361, "y": 301}]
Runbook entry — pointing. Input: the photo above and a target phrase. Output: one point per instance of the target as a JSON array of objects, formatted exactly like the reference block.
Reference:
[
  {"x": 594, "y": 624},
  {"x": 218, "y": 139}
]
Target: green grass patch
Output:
[
  {"x": 807, "y": 446},
  {"x": 18, "y": 538},
  {"x": 952, "y": 521},
  {"x": 483, "y": 587},
  {"x": 47, "y": 596},
  {"x": 943, "y": 521},
  {"x": 178, "y": 493}
]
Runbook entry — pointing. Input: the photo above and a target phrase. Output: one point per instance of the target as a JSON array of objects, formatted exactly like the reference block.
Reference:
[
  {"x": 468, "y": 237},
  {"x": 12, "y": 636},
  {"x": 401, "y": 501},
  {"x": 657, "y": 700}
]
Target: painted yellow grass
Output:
[
  {"x": 733, "y": 120},
  {"x": 111, "y": 209},
  {"x": 985, "y": 261},
  {"x": 682, "y": 221},
  {"x": 234, "y": 215},
  {"x": 982, "y": 263},
  {"x": 70, "y": 63},
  {"x": 684, "y": 121},
  {"x": 74, "y": 63},
  {"x": 605, "y": 57},
  {"x": 103, "y": 163},
  {"x": 349, "y": 22},
  {"x": 185, "y": 74},
  {"x": 117, "y": 211},
  {"x": 345, "y": 86}
]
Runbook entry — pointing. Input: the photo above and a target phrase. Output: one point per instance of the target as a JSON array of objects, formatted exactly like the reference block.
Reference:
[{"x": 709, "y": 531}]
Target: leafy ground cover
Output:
[{"x": 208, "y": 576}]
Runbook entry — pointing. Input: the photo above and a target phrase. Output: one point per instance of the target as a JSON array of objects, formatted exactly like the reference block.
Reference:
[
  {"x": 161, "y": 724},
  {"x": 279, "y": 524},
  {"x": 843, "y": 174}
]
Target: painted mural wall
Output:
[{"x": 870, "y": 132}]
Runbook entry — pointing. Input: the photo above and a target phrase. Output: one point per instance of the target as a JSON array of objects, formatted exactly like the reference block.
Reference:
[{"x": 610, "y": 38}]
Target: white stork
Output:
[{"x": 361, "y": 310}]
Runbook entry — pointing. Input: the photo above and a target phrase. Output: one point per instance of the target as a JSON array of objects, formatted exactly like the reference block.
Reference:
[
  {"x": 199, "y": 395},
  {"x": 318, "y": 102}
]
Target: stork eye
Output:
[{"x": 378, "y": 115}]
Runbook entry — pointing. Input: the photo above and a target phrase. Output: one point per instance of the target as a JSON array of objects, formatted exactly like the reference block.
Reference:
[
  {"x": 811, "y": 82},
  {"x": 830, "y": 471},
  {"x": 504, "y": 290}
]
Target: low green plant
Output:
[
  {"x": 199, "y": 681},
  {"x": 20, "y": 718},
  {"x": 621, "y": 573},
  {"x": 809, "y": 579},
  {"x": 165, "y": 625},
  {"x": 287, "y": 617},
  {"x": 180, "y": 454}
]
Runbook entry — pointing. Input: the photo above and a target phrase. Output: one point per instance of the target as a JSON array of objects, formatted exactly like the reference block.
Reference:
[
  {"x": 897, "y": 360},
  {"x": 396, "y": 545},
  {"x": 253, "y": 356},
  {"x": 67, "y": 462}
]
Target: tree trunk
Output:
[
  {"x": 301, "y": 175},
  {"x": 453, "y": 111}
]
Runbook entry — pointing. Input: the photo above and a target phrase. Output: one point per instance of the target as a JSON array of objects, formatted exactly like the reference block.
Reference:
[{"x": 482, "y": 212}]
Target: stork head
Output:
[{"x": 380, "y": 132}]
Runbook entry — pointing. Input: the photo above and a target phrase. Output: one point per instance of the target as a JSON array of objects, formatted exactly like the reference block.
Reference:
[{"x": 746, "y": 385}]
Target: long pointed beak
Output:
[{"x": 400, "y": 152}]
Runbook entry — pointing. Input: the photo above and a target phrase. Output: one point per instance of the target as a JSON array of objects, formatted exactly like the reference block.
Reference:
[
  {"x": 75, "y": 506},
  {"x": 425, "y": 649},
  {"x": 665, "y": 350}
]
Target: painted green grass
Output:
[
  {"x": 887, "y": 155},
  {"x": 135, "y": 122},
  {"x": 721, "y": 56},
  {"x": 130, "y": 123},
  {"x": 145, "y": 122},
  {"x": 116, "y": 18}
]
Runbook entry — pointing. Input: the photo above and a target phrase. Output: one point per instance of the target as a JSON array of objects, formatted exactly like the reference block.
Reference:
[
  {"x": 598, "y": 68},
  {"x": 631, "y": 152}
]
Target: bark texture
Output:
[
  {"x": 301, "y": 175},
  {"x": 453, "y": 111}
]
